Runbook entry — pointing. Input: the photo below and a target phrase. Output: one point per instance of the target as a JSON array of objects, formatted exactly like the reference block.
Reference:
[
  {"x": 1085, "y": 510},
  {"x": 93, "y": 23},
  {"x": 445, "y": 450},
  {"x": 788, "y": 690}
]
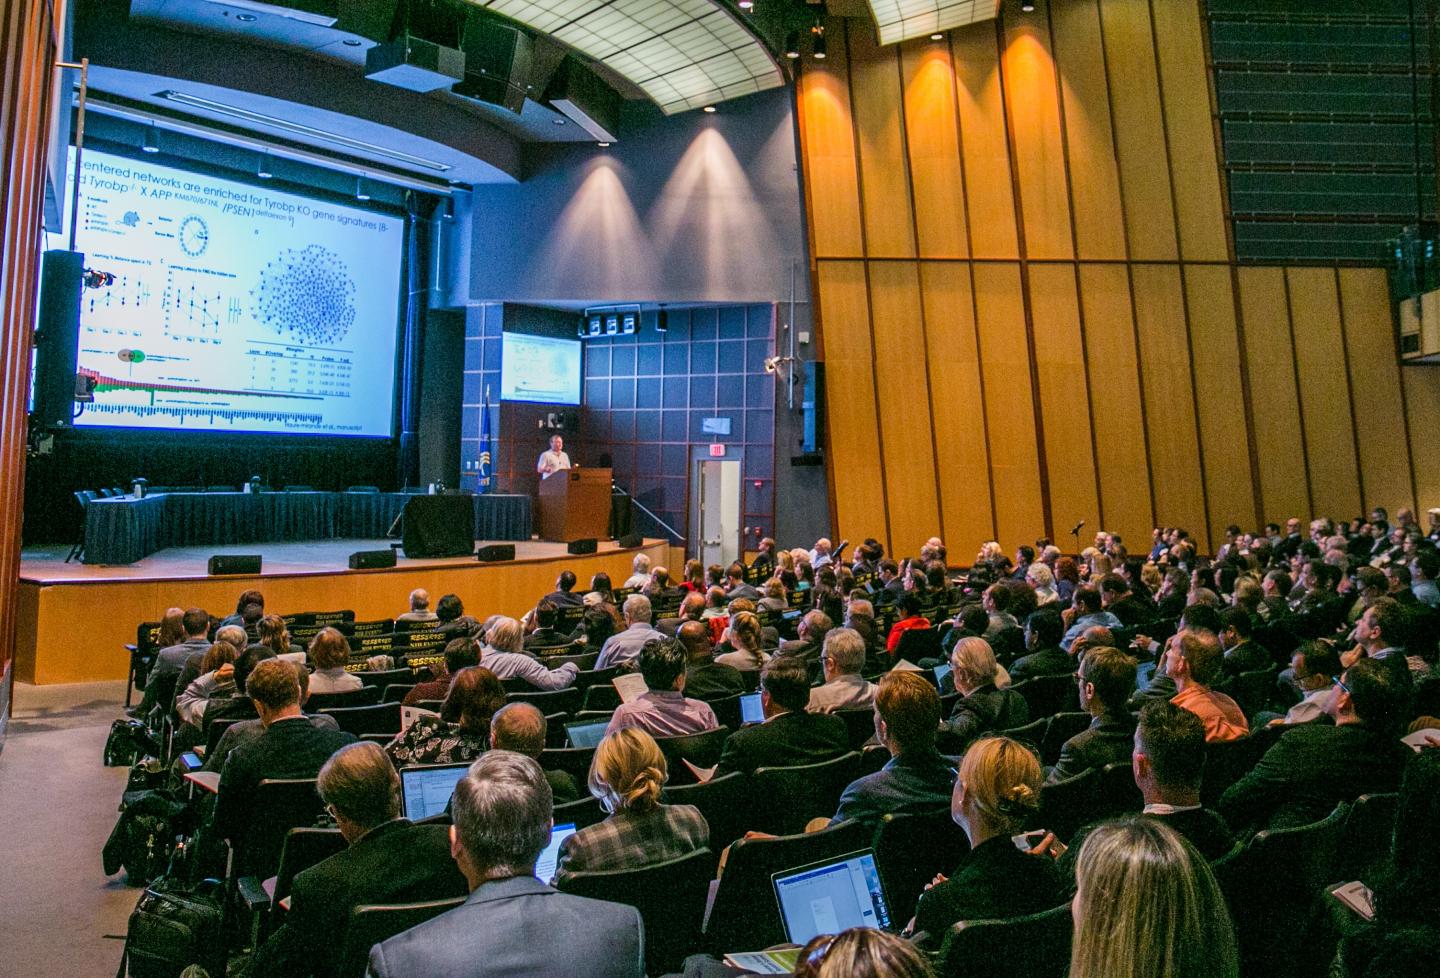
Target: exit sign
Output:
[{"x": 717, "y": 450}]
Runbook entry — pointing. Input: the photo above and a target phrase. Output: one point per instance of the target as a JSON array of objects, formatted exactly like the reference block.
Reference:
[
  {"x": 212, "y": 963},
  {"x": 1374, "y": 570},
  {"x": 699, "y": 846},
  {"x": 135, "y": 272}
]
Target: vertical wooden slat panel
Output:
[
  {"x": 1194, "y": 166},
  {"x": 1064, "y": 396},
  {"x": 1275, "y": 403},
  {"x": 827, "y": 150},
  {"x": 1422, "y": 404},
  {"x": 957, "y": 405},
  {"x": 1139, "y": 129},
  {"x": 1169, "y": 399},
  {"x": 933, "y": 142},
  {"x": 1224, "y": 449},
  {"x": 983, "y": 147},
  {"x": 1005, "y": 363},
  {"x": 884, "y": 181},
  {"x": 1120, "y": 451},
  {"x": 1085, "y": 95},
  {"x": 904, "y": 397},
  {"x": 852, "y": 423},
  {"x": 1034, "y": 107},
  {"x": 1324, "y": 390},
  {"x": 1375, "y": 381}
]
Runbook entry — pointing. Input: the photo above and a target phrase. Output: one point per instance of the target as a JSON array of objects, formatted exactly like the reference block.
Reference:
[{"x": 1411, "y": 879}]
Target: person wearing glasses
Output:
[
  {"x": 1104, "y": 683},
  {"x": 1315, "y": 766}
]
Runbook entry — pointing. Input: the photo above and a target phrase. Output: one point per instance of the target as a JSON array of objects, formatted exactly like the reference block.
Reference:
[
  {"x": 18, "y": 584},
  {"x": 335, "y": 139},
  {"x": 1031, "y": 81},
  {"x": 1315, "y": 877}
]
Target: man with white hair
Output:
[
  {"x": 820, "y": 556},
  {"x": 841, "y": 659},
  {"x": 419, "y": 607},
  {"x": 502, "y": 655},
  {"x": 641, "y": 576},
  {"x": 624, "y": 647}
]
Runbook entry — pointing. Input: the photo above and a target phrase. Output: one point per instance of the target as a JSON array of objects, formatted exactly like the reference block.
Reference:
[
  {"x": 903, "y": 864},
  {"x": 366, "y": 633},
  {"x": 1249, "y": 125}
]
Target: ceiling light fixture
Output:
[
  {"x": 362, "y": 192},
  {"x": 819, "y": 44},
  {"x": 937, "y": 36},
  {"x": 263, "y": 169},
  {"x": 152, "y": 140},
  {"x": 792, "y": 45},
  {"x": 1027, "y": 7},
  {"x": 295, "y": 128},
  {"x": 710, "y": 109},
  {"x": 245, "y": 18},
  {"x": 603, "y": 145},
  {"x": 747, "y": 4},
  {"x": 351, "y": 42}
]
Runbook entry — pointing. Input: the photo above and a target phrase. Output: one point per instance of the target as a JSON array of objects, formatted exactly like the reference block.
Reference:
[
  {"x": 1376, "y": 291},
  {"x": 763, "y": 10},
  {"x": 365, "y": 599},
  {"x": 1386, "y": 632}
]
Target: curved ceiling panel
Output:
[
  {"x": 684, "y": 54},
  {"x": 900, "y": 20}
]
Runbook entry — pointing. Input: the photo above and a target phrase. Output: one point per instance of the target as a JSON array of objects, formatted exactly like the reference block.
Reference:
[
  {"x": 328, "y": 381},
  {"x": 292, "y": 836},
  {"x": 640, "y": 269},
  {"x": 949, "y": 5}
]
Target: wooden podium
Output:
[{"x": 575, "y": 505}]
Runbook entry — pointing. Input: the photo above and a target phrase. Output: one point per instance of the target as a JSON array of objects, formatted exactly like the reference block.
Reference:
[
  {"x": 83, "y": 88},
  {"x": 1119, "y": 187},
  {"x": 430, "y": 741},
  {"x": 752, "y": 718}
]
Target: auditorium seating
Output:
[
  {"x": 369, "y": 925},
  {"x": 788, "y": 797},
  {"x": 910, "y": 850},
  {"x": 1036, "y": 946}
]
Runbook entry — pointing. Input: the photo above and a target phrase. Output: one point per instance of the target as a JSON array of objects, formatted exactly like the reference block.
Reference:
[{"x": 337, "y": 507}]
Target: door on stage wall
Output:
[{"x": 715, "y": 510}]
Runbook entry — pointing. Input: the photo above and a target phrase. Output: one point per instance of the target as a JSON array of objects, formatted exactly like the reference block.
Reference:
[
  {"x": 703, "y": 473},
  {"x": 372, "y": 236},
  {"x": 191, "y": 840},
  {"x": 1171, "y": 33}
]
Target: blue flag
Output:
[{"x": 485, "y": 479}]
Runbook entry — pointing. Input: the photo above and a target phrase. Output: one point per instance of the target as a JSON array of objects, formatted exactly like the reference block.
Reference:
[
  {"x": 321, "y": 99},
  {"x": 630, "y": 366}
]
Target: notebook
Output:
[
  {"x": 831, "y": 896},
  {"x": 750, "y": 709},
  {"x": 425, "y": 790},
  {"x": 586, "y": 733},
  {"x": 545, "y": 865}
]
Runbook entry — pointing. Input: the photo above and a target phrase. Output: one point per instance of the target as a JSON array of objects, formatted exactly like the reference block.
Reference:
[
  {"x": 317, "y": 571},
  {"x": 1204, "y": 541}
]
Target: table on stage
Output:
[{"x": 123, "y": 530}]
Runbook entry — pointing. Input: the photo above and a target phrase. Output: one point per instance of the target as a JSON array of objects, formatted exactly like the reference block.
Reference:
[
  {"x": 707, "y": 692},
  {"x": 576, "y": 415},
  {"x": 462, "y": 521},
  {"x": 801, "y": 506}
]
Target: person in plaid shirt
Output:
[{"x": 627, "y": 776}]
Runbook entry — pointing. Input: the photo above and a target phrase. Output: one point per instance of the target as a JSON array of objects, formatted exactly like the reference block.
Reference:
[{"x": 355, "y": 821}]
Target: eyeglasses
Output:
[{"x": 1341, "y": 683}]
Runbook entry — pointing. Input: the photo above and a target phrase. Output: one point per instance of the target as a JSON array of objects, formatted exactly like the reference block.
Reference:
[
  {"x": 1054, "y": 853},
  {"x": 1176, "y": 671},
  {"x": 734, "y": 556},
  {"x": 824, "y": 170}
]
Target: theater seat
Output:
[
  {"x": 371, "y": 924},
  {"x": 910, "y": 850},
  {"x": 1034, "y": 946},
  {"x": 789, "y": 797}
]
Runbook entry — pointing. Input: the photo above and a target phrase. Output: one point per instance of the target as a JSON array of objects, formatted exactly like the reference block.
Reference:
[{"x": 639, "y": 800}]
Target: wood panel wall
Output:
[
  {"x": 1029, "y": 311},
  {"x": 28, "y": 45}
]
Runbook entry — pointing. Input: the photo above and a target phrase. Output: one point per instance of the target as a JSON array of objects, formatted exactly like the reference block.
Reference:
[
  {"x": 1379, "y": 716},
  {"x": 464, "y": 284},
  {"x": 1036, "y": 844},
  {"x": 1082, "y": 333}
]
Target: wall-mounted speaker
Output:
[
  {"x": 581, "y": 546},
  {"x": 631, "y": 541},
  {"x": 57, "y": 336},
  {"x": 234, "y": 564},
  {"x": 496, "y": 551},
  {"x": 372, "y": 559}
]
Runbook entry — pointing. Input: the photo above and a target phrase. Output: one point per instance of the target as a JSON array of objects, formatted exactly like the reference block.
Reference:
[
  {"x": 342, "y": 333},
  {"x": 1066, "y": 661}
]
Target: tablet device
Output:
[
  {"x": 586, "y": 733},
  {"x": 750, "y": 709}
]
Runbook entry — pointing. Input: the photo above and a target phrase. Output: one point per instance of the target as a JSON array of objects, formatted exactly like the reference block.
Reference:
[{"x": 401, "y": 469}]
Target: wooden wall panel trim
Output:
[
  {"x": 1421, "y": 387},
  {"x": 1005, "y": 365},
  {"x": 1139, "y": 130},
  {"x": 957, "y": 405},
  {"x": 932, "y": 139},
  {"x": 1169, "y": 398},
  {"x": 1194, "y": 163},
  {"x": 827, "y": 157},
  {"x": 1375, "y": 383},
  {"x": 852, "y": 421},
  {"x": 1324, "y": 391},
  {"x": 1120, "y": 453},
  {"x": 885, "y": 204},
  {"x": 984, "y": 143},
  {"x": 1064, "y": 397},
  {"x": 1220, "y": 399},
  {"x": 1033, "y": 111},
  {"x": 903, "y": 393},
  {"x": 1274, "y": 400}
]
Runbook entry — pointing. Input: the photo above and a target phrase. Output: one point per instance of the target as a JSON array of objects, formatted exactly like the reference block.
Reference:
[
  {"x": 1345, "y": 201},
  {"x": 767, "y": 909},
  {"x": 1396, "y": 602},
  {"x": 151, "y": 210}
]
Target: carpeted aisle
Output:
[{"x": 57, "y": 806}]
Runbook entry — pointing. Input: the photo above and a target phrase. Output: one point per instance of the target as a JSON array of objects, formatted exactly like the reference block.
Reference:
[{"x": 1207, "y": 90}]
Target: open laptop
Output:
[
  {"x": 425, "y": 789},
  {"x": 941, "y": 671},
  {"x": 750, "y": 709},
  {"x": 831, "y": 896},
  {"x": 586, "y": 733},
  {"x": 545, "y": 865}
]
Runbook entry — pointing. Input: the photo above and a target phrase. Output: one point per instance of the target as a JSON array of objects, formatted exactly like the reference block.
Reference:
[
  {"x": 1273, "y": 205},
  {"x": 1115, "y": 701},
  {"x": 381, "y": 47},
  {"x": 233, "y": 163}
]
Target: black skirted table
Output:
[{"x": 123, "y": 530}]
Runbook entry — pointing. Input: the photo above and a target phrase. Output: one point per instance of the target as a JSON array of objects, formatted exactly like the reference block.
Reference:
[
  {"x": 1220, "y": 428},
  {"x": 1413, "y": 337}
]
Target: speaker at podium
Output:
[{"x": 574, "y": 505}]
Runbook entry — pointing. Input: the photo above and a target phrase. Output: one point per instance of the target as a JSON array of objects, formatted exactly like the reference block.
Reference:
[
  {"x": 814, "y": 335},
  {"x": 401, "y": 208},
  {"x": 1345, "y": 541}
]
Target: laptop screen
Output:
[
  {"x": 586, "y": 733},
  {"x": 750, "y": 709},
  {"x": 941, "y": 671},
  {"x": 426, "y": 790},
  {"x": 832, "y": 896},
  {"x": 545, "y": 865}
]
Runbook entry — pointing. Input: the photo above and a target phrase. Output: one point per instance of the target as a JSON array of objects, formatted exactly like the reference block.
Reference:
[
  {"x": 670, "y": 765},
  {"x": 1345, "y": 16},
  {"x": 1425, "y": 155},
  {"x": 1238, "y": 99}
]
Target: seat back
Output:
[
  {"x": 700, "y": 749},
  {"x": 303, "y": 848},
  {"x": 859, "y": 726},
  {"x": 364, "y": 696},
  {"x": 727, "y": 710},
  {"x": 919, "y": 643},
  {"x": 744, "y": 915},
  {"x": 670, "y": 897},
  {"x": 601, "y": 697},
  {"x": 379, "y": 718},
  {"x": 396, "y": 692},
  {"x": 1061, "y": 728},
  {"x": 582, "y": 660},
  {"x": 277, "y": 806},
  {"x": 1251, "y": 690},
  {"x": 788, "y": 797},
  {"x": 548, "y": 701},
  {"x": 1368, "y": 832},
  {"x": 1227, "y": 761},
  {"x": 582, "y": 811},
  {"x": 1032, "y": 733},
  {"x": 586, "y": 678},
  {"x": 371, "y": 924},
  {"x": 1069, "y": 804},
  {"x": 910, "y": 850},
  {"x": 217, "y": 730},
  {"x": 574, "y": 761},
  {"x": 725, "y": 802},
  {"x": 383, "y": 678},
  {"x": 1035, "y": 946},
  {"x": 1116, "y": 792},
  {"x": 1048, "y": 695}
]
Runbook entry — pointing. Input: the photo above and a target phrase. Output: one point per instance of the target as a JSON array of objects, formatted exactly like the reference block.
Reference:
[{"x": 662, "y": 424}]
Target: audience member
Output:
[
  {"x": 664, "y": 711},
  {"x": 521, "y": 727},
  {"x": 640, "y": 573},
  {"x": 910, "y": 618},
  {"x": 748, "y": 653},
  {"x": 503, "y": 657},
  {"x": 842, "y": 660},
  {"x": 1192, "y": 661},
  {"x": 789, "y": 736},
  {"x": 623, "y": 648},
  {"x": 454, "y": 623},
  {"x": 810, "y": 639},
  {"x": 736, "y": 585},
  {"x": 1242, "y": 654},
  {"x": 1105, "y": 682},
  {"x": 1044, "y": 656},
  {"x": 692, "y": 608},
  {"x": 459, "y": 653},
  {"x": 1314, "y": 667},
  {"x": 705, "y": 678},
  {"x": 861, "y": 952},
  {"x": 462, "y": 730},
  {"x": 216, "y": 680},
  {"x": 1085, "y": 611},
  {"x": 243, "y": 731},
  {"x": 247, "y": 599},
  {"x": 329, "y": 653},
  {"x": 419, "y": 608},
  {"x": 546, "y": 635},
  {"x": 982, "y": 707},
  {"x": 165, "y": 670},
  {"x": 564, "y": 595}
]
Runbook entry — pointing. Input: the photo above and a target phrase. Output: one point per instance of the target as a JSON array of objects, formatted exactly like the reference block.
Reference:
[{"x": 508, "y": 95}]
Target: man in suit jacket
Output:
[
  {"x": 291, "y": 746},
  {"x": 811, "y": 639},
  {"x": 564, "y": 595},
  {"x": 244, "y": 731},
  {"x": 692, "y": 608},
  {"x": 1241, "y": 654},
  {"x": 1315, "y": 766},
  {"x": 389, "y": 860},
  {"x": 736, "y": 586},
  {"x": 169, "y": 661},
  {"x": 842, "y": 660},
  {"x": 1045, "y": 657},
  {"x": 706, "y": 679},
  {"x": 789, "y": 736},
  {"x": 512, "y": 924},
  {"x": 1107, "y": 677},
  {"x": 521, "y": 727}
]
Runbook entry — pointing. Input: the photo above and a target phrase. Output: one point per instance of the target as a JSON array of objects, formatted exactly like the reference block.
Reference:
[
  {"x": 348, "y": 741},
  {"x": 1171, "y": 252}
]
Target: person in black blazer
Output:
[
  {"x": 706, "y": 679},
  {"x": 521, "y": 727},
  {"x": 1241, "y": 654},
  {"x": 564, "y": 595},
  {"x": 291, "y": 747},
  {"x": 389, "y": 860},
  {"x": 1107, "y": 677},
  {"x": 1044, "y": 656},
  {"x": 982, "y": 708},
  {"x": 1315, "y": 766},
  {"x": 789, "y": 736}
]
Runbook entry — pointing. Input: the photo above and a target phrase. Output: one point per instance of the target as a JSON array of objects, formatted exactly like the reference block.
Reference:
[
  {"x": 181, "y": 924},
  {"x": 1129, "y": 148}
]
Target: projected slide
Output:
[
  {"x": 539, "y": 368},
  {"x": 234, "y": 307}
]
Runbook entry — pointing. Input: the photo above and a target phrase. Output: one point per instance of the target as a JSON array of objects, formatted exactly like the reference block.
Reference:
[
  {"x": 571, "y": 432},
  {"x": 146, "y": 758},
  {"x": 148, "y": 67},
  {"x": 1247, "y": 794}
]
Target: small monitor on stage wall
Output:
[{"x": 539, "y": 369}]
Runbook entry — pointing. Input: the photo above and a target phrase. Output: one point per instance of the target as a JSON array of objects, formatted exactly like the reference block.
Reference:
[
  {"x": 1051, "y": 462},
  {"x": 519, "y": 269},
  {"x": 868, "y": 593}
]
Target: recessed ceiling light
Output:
[
  {"x": 710, "y": 109},
  {"x": 351, "y": 42},
  {"x": 747, "y": 4},
  {"x": 558, "y": 122},
  {"x": 245, "y": 18},
  {"x": 937, "y": 36},
  {"x": 603, "y": 145}
]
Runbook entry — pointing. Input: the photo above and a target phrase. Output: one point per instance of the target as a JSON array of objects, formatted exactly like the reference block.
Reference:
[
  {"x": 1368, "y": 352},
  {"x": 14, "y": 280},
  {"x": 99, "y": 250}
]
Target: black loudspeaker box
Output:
[
  {"x": 235, "y": 564},
  {"x": 631, "y": 541},
  {"x": 496, "y": 551},
  {"x": 57, "y": 336},
  {"x": 371, "y": 559},
  {"x": 581, "y": 546}
]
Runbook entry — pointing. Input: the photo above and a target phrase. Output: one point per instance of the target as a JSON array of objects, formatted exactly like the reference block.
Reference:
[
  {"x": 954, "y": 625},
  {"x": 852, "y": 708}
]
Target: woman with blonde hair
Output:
[
  {"x": 626, "y": 777},
  {"x": 749, "y": 654},
  {"x": 861, "y": 952},
  {"x": 1147, "y": 906},
  {"x": 1040, "y": 578},
  {"x": 996, "y": 794}
]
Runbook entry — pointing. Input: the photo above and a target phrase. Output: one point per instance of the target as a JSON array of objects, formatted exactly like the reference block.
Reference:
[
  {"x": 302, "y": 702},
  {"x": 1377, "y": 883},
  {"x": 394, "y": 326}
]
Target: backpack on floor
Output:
[
  {"x": 144, "y": 835},
  {"x": 173, "y": 927},
  {"x": 129, "y": 741}
]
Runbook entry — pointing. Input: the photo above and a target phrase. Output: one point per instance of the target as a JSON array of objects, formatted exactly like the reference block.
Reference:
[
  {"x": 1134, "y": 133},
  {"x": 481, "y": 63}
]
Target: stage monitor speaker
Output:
[
  {"x": 631, "y": 541},
  {"x": 234, "y": 564},
  {"x": 371, "y": 559},
  {"x": 57, "y": 336},
  {"x": 496, "y": 551},
  {"x": 439, "y": 526},
  {"x": 581, "y": 546}
]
